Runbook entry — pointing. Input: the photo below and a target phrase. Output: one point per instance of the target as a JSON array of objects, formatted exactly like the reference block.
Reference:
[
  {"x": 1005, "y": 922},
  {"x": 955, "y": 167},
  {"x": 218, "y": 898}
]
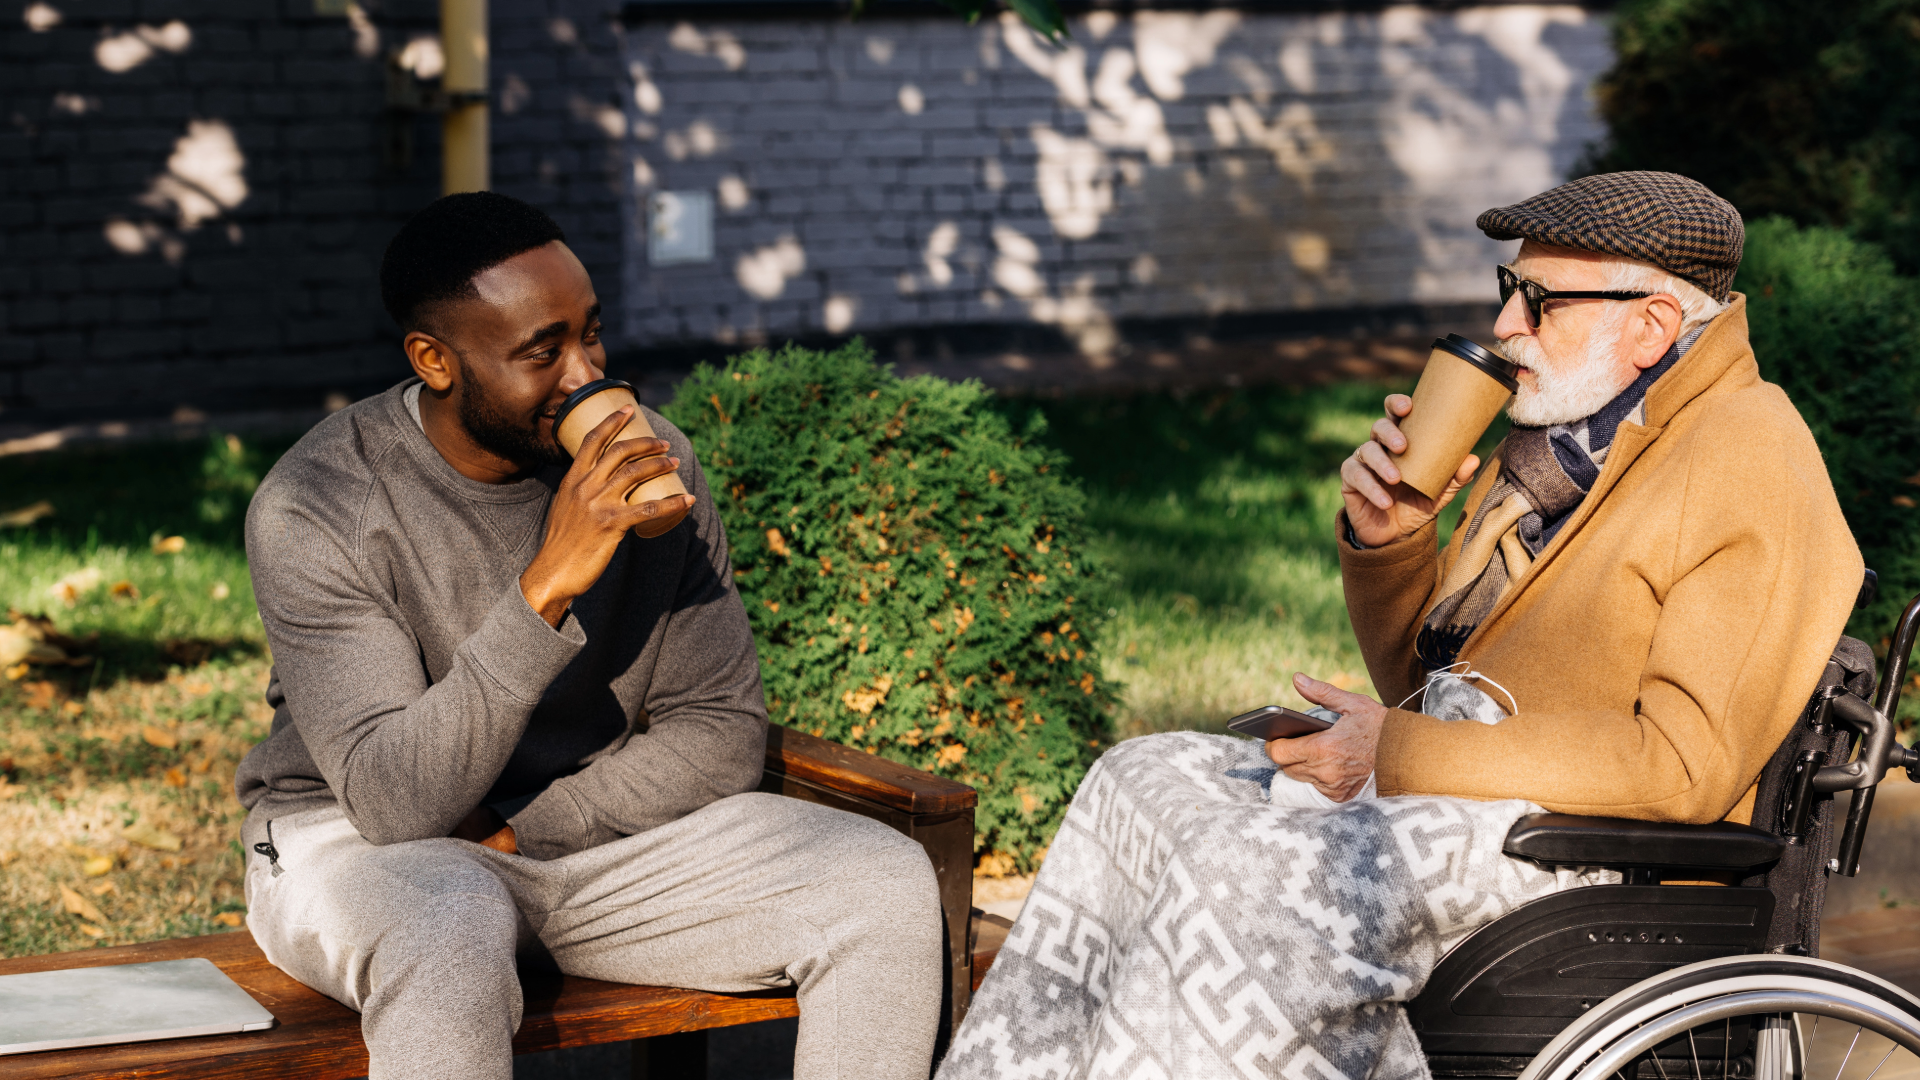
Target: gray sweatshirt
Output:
[{"x": 412, "y": 682}]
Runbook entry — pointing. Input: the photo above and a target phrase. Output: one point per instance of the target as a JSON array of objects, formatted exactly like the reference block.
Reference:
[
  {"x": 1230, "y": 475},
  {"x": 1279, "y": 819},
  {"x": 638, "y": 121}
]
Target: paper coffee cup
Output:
[
  {"x": 1463, "y": 388},
  {"x": 582, "y": 412}
]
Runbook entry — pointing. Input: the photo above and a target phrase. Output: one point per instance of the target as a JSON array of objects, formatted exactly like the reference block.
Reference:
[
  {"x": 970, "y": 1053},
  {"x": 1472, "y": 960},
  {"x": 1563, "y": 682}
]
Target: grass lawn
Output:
[{"x": 117, "y": 819}]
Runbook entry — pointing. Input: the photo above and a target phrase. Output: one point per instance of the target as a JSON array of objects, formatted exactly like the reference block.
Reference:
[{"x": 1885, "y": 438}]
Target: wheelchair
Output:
[{"x": 1703, "y": 963}]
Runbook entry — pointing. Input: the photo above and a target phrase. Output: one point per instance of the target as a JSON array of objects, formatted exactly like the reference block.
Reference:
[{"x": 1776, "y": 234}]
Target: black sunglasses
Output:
[{"x": 1536, "y": 294}]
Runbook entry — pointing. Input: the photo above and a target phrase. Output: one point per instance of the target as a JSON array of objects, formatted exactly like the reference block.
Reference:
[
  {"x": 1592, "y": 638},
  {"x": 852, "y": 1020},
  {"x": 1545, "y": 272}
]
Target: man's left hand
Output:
[
  {"x": 488, "y": 829},
  {"x": 1338, "y": 760}
]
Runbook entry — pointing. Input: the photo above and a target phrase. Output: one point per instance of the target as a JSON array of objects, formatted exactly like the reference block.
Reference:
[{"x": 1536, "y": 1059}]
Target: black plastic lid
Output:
[
  {"x": 1503, "y": 370},
  {"x": 594, "y": 387}
]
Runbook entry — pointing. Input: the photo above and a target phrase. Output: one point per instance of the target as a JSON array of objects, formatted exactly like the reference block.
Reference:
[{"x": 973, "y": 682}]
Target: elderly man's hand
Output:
[
  {"x": 1380, "y": 507},
  {"x": 1338, "y": 760}
]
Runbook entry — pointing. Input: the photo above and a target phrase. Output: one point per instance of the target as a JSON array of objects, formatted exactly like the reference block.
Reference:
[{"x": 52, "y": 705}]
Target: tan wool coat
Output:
[{"x": 1661, "y": 646}]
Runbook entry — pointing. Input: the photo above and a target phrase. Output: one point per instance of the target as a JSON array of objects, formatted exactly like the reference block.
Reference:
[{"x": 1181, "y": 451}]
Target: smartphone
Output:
[{"x": 1274, "y": 722}]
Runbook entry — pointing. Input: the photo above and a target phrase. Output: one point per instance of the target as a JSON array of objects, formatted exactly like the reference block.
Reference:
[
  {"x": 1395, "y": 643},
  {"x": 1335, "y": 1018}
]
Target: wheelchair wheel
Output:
[{"x": 1743, "y": 1018}]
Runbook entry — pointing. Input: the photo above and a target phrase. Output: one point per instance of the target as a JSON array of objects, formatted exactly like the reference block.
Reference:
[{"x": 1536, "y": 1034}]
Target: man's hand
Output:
[
  {"x": 1339, "y": 759},
  {"x": 488, "y": 829},
  {"x": 590, "y": 514},
  {"x": 1380, "y": 507}
]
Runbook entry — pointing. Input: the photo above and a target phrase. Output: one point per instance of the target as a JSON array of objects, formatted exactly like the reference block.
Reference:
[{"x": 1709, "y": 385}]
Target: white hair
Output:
[{"x": 1629, "y": 275}]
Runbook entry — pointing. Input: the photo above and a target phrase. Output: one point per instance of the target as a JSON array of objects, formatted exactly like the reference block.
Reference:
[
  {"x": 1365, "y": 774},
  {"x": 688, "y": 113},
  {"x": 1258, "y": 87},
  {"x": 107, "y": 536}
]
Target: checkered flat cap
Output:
[{"x": 1653, "y": 217}]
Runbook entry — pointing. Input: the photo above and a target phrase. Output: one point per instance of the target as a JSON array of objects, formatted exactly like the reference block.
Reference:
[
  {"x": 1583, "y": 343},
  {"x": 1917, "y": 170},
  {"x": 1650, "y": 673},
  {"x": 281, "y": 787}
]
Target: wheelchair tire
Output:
[{"x": 1617, "y": 1032}]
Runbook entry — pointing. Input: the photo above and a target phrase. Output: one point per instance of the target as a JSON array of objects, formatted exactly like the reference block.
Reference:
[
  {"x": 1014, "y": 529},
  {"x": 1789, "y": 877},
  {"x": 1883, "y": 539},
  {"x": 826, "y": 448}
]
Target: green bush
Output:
[
  {"x": 914, "y": 570},
  {"x": 1834, "y": 326},
  {"x": 1811, "y": 113}
]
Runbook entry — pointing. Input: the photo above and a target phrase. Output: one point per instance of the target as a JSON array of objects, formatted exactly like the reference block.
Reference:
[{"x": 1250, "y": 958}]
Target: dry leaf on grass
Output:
[
  {"x": 8, "y": 856},
  {"x": 176, "y": 778},
  {"x": 68, "y": 590},
  {"x": 230, "y": 918},
  {"x": 150, "y": 837},
  {"x": 102, "y": 888},
  {"x": 80, "y": 905},
  {"x": 123, "y": 589},
  {"x": 18, "y": 671},
  {"x": 92, "y": 931},
  {"x": 40, "y": 695},
  {"x": 72, "y": 708},
  {"x": 160, "y": 737},
  {"x": 172, "y": 545},
  {"x": 97, "y": 866},
  {"x": 26, "y": 515}
]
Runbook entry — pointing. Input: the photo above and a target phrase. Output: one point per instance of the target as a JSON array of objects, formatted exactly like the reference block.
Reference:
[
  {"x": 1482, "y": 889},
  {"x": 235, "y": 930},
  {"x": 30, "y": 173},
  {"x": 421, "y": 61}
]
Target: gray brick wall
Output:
[
  {"x": 137, "y": 274},
  {"x": 901, "y": 173}
]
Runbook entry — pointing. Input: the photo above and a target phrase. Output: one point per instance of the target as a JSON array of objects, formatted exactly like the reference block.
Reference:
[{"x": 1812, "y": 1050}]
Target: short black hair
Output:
[{"x": 440, "y": 250}]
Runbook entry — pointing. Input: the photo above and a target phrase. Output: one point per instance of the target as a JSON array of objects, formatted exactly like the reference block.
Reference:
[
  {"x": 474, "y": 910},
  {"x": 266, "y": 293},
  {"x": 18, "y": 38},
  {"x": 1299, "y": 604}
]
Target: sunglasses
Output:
[{"x": 1536, "y": 295}]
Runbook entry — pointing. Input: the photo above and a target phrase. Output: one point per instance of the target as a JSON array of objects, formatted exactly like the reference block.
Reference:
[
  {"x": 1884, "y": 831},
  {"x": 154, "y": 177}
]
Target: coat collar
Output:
[{"x": 1722, "y": 360}]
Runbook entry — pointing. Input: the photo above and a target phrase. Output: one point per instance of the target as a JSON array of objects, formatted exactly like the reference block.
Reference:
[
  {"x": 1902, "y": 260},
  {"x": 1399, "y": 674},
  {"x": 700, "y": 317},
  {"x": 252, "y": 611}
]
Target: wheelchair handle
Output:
[{"x": 1874, "y": 731}]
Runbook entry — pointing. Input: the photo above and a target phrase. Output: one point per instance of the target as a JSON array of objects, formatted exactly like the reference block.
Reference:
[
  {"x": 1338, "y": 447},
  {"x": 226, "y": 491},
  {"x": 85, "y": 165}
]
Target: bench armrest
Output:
[{"x": 795, "y": 753}]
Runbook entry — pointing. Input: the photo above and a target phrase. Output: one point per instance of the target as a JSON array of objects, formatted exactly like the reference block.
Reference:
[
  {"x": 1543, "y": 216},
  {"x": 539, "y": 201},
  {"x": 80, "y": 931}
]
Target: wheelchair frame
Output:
[{"x": 1663, "y": 968}]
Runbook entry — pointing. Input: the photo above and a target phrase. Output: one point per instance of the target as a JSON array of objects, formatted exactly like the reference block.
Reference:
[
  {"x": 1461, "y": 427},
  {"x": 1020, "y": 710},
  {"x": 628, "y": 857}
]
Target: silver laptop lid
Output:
[{"x": 97, "y": 1006}]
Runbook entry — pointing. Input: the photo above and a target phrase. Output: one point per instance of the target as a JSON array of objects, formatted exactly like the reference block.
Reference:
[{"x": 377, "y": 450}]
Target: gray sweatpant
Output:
[{"x": 751, "y": 892}]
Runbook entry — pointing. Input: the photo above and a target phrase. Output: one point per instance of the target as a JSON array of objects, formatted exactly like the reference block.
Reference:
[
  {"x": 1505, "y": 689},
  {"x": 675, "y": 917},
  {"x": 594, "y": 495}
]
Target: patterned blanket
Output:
[{"x": 1183, "y": 926}]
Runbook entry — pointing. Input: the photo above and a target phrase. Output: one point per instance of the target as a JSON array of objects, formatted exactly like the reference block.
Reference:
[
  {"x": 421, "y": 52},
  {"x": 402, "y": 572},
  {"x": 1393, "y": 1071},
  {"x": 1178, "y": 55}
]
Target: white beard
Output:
[{"x": 1562, "y": 395}]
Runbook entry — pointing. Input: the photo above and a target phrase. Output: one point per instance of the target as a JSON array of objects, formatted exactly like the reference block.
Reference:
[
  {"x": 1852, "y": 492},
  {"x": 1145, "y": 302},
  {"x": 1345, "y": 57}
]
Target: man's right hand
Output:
[
  {"x": 590, "y": 515},
  {"x": 1380, "y": 507}
]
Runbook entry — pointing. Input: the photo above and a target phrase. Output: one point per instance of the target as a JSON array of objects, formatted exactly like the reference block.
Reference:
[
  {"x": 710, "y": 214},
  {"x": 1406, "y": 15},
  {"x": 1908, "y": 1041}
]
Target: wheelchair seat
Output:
[{"x": 1571, "y": 840}]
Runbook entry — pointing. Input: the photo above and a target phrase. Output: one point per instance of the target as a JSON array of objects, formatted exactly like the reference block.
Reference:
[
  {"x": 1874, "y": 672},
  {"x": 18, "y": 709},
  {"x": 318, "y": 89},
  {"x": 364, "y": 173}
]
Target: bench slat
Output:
[
  {"x": 793, "y": 752},
  {"x": 319, "y": 1039}
]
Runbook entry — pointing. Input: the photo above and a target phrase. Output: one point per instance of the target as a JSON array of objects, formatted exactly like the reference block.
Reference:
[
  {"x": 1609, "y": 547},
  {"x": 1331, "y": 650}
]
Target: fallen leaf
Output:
[
  {"x": 176, "y": 778},
  {"x": 220, "y": 591},
  {"x": 230, "y": 918},
  {"x": 17, "y": 671},
  {"x": 151, "y": 837},
  {"x": 71, "y": 588},
  {"x": 123, "y": 589},
  {"x": 169, "y": 862},
  {"x": 172, "y": 545},
  {"x": 40, "y": 695},
  {"x": 80, "y": 905},
  {"x": 160, "y": 737},
  {"x": 72, "y": 708},
  {"x": 951, "y": 754},
  {"x": 102, "y": 888},
  {"x": 203, "y": 765},
  {"x": 97, "y": 866},
  {"x": 8, "y": 856},
  {"x": 1903, "y": 500},
  {"x": 92, "y": 931},
  {"x": 26, "y": 515},
  {"x": 778, "y": 543}
]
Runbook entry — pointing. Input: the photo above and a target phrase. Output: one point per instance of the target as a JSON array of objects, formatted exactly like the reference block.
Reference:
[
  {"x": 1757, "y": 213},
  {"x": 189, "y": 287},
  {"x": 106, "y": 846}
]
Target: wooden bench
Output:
[{"x": 317, "y": 1038}]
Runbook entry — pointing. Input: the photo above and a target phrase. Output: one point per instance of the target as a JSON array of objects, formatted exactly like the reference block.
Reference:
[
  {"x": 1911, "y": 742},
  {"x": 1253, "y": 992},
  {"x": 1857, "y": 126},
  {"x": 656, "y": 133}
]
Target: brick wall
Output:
[
  {"x": 196, "y": 192},
  {"x": 1163, "y": 169}
]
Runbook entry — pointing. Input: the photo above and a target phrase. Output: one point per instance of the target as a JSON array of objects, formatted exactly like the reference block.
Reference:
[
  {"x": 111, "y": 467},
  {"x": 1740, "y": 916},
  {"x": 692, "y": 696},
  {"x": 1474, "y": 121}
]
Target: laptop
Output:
[{"x": 122, "y": 1003}]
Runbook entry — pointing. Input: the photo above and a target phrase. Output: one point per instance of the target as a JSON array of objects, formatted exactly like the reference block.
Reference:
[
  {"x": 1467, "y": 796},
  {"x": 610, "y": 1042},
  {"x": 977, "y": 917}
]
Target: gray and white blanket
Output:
[{"x": 1187, "y": 926}]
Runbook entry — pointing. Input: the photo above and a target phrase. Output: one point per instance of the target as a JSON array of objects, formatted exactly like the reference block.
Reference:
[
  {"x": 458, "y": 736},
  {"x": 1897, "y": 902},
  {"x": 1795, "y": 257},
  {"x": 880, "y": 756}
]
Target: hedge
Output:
[{"x": 915, "y": 572}]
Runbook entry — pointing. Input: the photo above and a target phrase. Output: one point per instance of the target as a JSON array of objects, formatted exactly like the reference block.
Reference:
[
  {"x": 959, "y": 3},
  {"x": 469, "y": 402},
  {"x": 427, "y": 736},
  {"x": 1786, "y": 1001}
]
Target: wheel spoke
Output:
[
  {"x": 1726, "y": 1042},
  {"x": 1883, "y": 1060},
  {"x": 1654, "y": 1053},
  {"x": 1849, "y": 1054},
  {"x": 1695, "y": 1052}
]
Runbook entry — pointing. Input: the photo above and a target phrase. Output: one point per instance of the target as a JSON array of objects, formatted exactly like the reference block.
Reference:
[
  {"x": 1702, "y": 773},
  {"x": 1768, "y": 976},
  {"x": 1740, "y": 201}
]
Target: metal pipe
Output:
[
  {"x": 1895, "y": 672},
  {"x": 463, "y": 38}
]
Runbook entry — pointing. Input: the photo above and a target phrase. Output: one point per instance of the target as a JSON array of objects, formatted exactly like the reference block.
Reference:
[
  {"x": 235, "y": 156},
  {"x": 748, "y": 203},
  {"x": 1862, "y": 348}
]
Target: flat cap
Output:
[{"x": 1661, "y": 218}]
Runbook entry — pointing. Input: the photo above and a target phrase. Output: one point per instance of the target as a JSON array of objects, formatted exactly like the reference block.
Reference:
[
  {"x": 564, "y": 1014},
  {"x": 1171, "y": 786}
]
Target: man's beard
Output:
[
  {"x": 1566, "y": 393},
  {"x": 499, "y": 433}
]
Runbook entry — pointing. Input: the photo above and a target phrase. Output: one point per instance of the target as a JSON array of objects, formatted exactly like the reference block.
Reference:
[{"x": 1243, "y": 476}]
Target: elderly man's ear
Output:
[{"x": 1652, "y": 330}]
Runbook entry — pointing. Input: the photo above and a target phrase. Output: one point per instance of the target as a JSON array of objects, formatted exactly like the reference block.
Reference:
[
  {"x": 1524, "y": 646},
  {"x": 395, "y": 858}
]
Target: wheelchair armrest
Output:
[{"x": 1570, "y": 840}]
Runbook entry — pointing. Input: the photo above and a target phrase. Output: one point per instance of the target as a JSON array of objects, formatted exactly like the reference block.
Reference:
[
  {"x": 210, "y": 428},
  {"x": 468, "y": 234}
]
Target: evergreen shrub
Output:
[
  {"x": 915, "y": 572},
  {"x": 1834, "y": 326}
]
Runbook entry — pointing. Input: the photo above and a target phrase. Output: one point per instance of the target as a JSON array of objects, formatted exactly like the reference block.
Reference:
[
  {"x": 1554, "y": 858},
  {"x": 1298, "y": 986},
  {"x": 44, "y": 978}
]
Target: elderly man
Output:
[
  {"x": 1650, "y": 575},
  {"x": 1639, "y": 601}
]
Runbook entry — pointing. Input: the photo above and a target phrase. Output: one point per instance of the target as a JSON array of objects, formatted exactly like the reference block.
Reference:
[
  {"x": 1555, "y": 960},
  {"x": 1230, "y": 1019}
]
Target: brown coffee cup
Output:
[
  {"x": 582, "y": 412},
  {"x": 1463, "y": 388}
]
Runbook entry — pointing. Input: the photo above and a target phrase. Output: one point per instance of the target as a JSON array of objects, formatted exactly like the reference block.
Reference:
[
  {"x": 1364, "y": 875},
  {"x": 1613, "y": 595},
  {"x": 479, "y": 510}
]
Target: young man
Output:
[{"x": 508, "y": 729}]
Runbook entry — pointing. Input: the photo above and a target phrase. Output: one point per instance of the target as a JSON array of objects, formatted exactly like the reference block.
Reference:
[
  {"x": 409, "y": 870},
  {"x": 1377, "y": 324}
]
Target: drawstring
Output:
[
  {"x": 272, "y": 853},
  {"x": 1448, "y": 673}
]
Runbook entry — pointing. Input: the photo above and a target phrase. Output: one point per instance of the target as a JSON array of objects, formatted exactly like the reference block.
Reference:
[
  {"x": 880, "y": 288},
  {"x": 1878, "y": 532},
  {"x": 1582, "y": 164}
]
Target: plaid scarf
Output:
[{"x": 1545, "y": 473}]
